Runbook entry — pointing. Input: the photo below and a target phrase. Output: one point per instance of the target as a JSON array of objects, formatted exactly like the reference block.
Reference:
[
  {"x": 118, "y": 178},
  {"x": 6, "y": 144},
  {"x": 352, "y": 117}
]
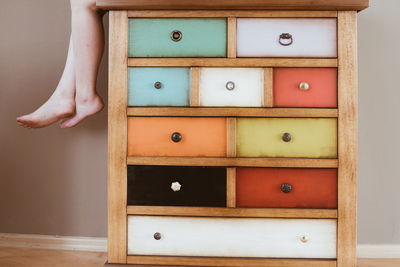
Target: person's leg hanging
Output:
[{"x": 88, "y": 41}]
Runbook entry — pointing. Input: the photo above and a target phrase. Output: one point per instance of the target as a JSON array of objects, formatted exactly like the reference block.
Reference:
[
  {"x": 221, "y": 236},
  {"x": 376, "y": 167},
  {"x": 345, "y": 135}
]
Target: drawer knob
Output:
[
  {"x": 157, "y": 85},
  {"x": 304, "y": 86},
  {"x": 176, "y": 137},
  {"x": 304, "y": 239},
  {"x": 176, "y": 36},
  {"x": 157, "y": 236},
  {"x": 286, "y": 39},
  {"x": 176, "y": 186},
  {"x": 230, "y": 85},
  {"x": 286, "y": 188},
  {"x": 286, "y": 137}
]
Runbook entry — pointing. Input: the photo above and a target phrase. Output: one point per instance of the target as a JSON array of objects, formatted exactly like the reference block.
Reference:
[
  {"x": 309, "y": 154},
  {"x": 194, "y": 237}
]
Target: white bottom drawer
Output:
[{"x": 232, "y": 237}]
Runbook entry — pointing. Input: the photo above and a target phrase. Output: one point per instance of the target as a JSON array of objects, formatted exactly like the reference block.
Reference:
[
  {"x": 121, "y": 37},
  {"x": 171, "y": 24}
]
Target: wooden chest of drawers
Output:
[{"x": 233, "y": 133}]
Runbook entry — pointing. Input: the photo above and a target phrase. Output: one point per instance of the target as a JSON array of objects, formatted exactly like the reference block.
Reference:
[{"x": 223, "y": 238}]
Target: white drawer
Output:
[
  {"x": 310, "y": 37},
  {"x": 240, "y": 87},
  {"x": 231, "y": 237}
]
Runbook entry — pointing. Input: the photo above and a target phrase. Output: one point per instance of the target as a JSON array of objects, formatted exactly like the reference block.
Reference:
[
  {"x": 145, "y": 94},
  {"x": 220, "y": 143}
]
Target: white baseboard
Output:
[
  {"x": 97, "y": 244},
  {"x": 94, "y": 244},
  {"x": 378, "y": 251}
]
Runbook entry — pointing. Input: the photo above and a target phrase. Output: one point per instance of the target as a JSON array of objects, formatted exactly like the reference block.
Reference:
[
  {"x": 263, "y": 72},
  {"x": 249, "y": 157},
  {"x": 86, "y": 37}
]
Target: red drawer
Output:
[
  {"x": 321, "y": 91},
  {"x": 286, "y": 188}
]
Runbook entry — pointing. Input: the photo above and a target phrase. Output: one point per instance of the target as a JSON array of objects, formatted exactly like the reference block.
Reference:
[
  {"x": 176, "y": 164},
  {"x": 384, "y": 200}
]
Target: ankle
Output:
[{"x": 63, "y": 96}]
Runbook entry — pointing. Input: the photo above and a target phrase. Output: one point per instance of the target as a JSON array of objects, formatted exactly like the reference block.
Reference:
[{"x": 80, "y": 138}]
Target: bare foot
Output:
[
  {"x": 84, "y": 108},
  {"x": 55, "y": 109}
]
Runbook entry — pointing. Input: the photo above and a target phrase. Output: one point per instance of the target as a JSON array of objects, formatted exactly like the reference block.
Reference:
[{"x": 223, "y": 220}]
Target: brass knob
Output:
[
  {"x": 176, "y": 186},
  {"x": 157, "y": 236},
  {"x": 286, "y": 137},
  {"x": 176, "y": 36},
  {"x": 304, "y": 239},
  {"x": 286, "y": 188},
  {"x": 157, "y": 85},
  {"x": 304, "y": 86},
  {"x": 230, "y": 85},
  {"x": 286, "y": 39},
  {"x": 176, "y": 137}
]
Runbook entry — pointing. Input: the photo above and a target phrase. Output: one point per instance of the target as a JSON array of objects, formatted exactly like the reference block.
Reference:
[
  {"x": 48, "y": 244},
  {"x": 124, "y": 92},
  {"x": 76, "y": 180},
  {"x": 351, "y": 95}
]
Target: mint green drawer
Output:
[{"x": 199, "y": 37}]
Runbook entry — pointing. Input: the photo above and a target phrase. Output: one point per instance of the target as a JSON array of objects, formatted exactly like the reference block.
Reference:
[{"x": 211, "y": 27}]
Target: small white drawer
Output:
[
  {"x": 295, "y": 37},
  {"x": 231, "y": 237},
  {"x": 238, "y": 87}
]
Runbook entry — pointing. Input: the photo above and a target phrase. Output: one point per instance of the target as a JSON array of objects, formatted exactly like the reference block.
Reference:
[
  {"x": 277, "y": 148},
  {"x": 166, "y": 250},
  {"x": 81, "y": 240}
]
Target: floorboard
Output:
[{"x": 27, "y": 257}]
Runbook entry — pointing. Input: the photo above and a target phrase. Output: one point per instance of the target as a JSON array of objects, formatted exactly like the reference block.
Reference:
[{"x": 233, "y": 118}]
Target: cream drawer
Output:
[
  {"x": 242, "y": 87},
  {"x": 231, "y": 237},
  {"x": 293, "y": 37}
]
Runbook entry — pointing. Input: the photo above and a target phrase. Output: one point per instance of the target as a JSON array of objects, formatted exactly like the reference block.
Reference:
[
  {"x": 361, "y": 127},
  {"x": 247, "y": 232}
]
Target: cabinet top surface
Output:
[{"x": 233, "y": 4}]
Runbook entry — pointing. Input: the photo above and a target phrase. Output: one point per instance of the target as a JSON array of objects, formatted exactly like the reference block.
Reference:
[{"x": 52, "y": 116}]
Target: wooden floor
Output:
[{"x": 24, "y": 257}]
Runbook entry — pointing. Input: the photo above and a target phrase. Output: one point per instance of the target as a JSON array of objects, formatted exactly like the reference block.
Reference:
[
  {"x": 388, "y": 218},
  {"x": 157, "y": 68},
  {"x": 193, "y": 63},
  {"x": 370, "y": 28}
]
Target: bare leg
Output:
[
  {"x": 88, "y": 42},
  {"x": 60, "y": 105}
]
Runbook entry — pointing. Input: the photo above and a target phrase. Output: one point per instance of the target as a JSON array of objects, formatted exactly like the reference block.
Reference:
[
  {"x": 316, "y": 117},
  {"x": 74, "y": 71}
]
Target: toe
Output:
[{"x": 22, "y": 119}]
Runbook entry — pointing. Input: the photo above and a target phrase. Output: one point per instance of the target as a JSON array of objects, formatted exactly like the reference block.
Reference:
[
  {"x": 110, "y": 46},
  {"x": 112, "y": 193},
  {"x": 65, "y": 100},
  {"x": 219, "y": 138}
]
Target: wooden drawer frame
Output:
[{"x": 347, "y": 136}]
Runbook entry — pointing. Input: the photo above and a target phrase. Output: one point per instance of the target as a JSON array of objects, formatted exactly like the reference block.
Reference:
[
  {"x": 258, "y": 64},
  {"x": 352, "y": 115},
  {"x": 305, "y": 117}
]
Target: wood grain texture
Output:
[
  {"x": 230, "y": 14},
  {"x": 117, "y": 137},
  {"x": 233, "y": 212},
  {"x": 347, "y": 133},
  {"x": 237, "y": 4},
  {"x": 232, "y": 62},
  {"x": 360, "y": 263},
  {"x": 194, "y": 88},
  {"x": 231, "y": 38},
  {"x": 229, "y": 262},
  {"x": 41, "y": 257},
  {"x": 268, "y": 88},
  {"x": 238, "y": 162},
  {"x": 231, "y": 137},
  {"x": 233, "y": 112},
  {"x": 231, "y": 187}
]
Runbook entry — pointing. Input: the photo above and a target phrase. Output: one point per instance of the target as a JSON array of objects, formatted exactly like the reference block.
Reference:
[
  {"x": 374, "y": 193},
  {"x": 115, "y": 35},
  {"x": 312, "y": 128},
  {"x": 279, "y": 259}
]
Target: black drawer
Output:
[{"x": 199, "y": 186}]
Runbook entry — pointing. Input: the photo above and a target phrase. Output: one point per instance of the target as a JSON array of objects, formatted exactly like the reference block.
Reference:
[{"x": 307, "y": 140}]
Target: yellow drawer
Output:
[{"x": 287, "y": 137}]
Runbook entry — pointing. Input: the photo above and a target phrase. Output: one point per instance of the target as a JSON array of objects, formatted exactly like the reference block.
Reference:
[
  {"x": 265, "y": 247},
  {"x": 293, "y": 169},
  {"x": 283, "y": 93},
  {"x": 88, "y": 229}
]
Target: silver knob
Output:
[
  {"x": 286, "y": 39},
  {"x": 230, "y": 85},
  {"x": 304, "y": 86},
  {"x": 176, "y": 36},
  {"x": 176, "y": 186}
]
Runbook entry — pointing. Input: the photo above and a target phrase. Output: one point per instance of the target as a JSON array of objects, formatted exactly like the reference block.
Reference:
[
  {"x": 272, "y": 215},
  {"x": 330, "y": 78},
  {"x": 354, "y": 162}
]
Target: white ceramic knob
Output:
[{"x": 176, "y": 186}]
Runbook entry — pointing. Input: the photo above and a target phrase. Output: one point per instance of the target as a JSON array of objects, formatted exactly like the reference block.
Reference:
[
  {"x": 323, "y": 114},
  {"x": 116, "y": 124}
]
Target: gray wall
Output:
[
  {"x": 53, "y": 181},
  {"x": 379, "y": 95}
]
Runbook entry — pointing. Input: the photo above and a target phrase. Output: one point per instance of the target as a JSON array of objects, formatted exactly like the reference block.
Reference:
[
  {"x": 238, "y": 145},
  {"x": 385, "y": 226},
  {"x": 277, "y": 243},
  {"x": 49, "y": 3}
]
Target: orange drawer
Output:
[
  {"x": 286, "y": 188},
  {"x": 177, "y": 136},
  {"x": 305, "y": 87}
]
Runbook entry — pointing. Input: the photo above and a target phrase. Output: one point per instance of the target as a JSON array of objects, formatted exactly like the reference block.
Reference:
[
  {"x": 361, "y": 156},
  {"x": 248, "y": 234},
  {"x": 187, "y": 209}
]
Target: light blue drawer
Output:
[
  {"x": 174, "y": 87},
  {"x": 205, "y": 37}
]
